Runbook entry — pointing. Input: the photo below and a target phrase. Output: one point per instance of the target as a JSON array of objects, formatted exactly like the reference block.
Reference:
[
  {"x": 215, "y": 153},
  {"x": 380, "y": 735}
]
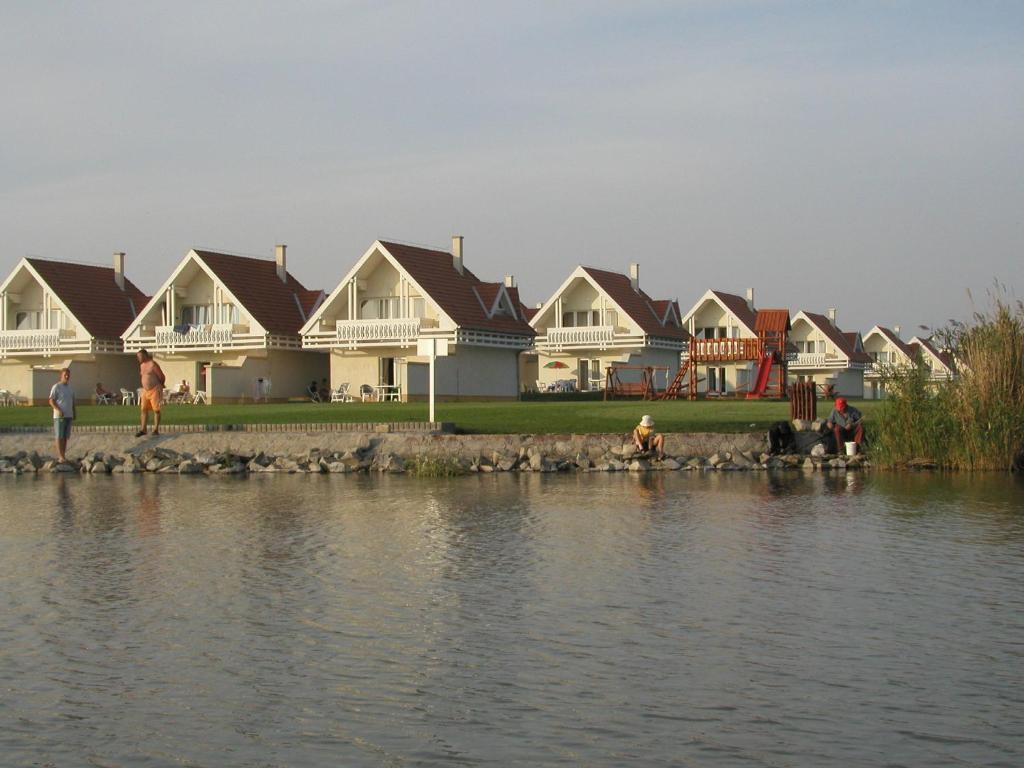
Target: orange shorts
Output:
[{"x": 151, "y": 399}]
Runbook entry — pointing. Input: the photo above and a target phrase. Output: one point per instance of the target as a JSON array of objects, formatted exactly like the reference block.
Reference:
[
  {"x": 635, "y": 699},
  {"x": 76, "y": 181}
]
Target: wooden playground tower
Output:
[{"x": 767, "y": 349}]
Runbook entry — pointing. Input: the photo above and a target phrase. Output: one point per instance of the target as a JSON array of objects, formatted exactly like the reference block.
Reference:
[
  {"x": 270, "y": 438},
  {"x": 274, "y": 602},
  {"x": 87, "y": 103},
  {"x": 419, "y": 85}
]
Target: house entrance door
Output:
[{"x": 582, "y": 375}]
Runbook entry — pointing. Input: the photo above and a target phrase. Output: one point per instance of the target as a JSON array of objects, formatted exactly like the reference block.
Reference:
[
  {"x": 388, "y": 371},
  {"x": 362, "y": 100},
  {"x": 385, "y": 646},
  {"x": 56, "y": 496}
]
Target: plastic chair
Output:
[
  {"x": 127, "y": 397},
  {"x": 366, "y": 392},
  {"x": 341, "y": 395}
]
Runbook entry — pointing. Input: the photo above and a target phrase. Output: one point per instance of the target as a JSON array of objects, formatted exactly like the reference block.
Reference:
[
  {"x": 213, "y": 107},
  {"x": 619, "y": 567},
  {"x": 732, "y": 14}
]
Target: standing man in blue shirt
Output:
[{"x": 62, "y": 400}]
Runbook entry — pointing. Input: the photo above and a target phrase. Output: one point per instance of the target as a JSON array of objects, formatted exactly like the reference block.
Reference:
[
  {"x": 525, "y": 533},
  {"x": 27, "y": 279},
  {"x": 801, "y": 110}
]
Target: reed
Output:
[
  {"x": 434, "y": 466},
  {"x": 977, "y": 420}
]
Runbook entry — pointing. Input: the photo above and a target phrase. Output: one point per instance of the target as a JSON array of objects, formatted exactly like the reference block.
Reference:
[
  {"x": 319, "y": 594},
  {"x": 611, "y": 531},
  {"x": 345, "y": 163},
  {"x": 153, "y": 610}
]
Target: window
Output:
[
  {"x": 379, "y": 309},
  {"x": 229, "y": 314},
  {"x": 581, "y": 318},
  {"x": 28, "y": 321},
  {"x": 196, "y": 314}
]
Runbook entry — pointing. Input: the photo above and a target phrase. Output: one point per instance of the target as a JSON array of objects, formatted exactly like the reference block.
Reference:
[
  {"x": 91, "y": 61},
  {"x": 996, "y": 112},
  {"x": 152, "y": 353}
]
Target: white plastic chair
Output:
[
  {"x": 341, "y": 395},
  {"x": 127, "y": 397}
]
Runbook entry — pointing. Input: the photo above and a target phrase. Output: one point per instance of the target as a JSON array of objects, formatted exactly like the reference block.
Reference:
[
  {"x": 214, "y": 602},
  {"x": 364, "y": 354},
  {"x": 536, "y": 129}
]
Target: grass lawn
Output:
[{"x": 535, "y": 417}]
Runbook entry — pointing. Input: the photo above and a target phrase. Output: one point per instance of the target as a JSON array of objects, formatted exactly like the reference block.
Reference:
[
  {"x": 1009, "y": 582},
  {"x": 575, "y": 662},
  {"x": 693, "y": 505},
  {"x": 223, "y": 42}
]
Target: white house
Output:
[
  {"x": 597, "y": 319},
  {"x": 887, "y": 352},
  {"x": 396, "y": 295},
  {"x": 229, "y": 326},
  {"x": 938, "y": 362},
  {"x": 56, "y": 314},
  {"x": 729, "y": 341},
  {"x": 826, "y": 355}
]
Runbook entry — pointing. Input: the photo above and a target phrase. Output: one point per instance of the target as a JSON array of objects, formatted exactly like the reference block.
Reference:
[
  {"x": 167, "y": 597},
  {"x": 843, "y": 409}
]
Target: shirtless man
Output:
[{"x": 152, "y": 379}]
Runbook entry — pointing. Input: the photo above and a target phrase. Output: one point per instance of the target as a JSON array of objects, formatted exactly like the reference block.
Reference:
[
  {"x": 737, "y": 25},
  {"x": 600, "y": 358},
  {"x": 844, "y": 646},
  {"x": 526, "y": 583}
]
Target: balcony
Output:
[
  {"x": 581, "y": 336},
  {"x": 214, "y": 336},
  {"x": 724, "y": 350},
  {"x": 377, "y": 330},
  {"x": 39, "y": 341}
]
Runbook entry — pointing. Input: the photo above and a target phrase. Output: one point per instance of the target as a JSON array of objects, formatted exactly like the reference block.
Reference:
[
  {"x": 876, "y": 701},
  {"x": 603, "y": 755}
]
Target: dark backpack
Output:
[{"x": 780, "y": 438}]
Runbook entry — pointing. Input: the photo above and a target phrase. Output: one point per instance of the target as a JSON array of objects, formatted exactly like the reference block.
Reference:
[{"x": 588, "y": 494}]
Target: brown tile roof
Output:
[
  {"x": 944, "y": 357},
  {"x": 639, "y": 306},
  {"x": 436, "y": 274},
  {"x": 254, "y": 282},
  {"x": 900, "y": 345},
  {"x": 738, "y": 306},
  {"x": 488, "y": 292},
  {"x": 92, "y": 296},
  {"x": 844, "y": 342},
  {"x": 859, "y": 356}
]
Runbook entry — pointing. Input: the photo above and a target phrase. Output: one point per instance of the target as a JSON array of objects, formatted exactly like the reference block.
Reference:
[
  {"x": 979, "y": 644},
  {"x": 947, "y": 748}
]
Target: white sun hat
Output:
[{"x": 646, "y": 421}]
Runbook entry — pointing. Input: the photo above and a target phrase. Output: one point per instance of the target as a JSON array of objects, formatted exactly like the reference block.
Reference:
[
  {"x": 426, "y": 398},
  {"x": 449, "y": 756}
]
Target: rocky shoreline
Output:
[{"x": 421, "y": 454}]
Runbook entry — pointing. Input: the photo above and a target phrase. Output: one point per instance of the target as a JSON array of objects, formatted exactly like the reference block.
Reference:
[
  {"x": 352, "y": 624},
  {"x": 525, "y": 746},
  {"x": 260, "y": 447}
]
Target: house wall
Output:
[
  {"x": 736, "y": 375},
  {"x": 289, "y": 373},
  {"x": 33, "y": 380},
  {"x": 582, "y": 296},
  {"x": 658, "y": 358},
  {"x": 471, "y": 373},
  {"x": 712, "y": 315}
]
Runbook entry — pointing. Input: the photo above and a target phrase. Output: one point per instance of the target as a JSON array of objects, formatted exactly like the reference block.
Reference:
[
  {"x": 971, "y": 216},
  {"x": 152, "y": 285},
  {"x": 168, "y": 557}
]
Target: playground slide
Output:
[{"x": 761, "y": 382}]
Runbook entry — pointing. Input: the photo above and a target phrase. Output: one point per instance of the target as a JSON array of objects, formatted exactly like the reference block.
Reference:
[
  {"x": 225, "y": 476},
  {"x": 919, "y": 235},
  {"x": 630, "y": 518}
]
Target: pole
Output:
[{"x": 433, "y": 350}]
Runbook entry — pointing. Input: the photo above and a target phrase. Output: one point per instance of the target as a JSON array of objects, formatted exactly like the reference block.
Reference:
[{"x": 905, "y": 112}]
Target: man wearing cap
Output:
[
  {"x": 846, "y": 423},
  {"x": 646, "y": 439}
]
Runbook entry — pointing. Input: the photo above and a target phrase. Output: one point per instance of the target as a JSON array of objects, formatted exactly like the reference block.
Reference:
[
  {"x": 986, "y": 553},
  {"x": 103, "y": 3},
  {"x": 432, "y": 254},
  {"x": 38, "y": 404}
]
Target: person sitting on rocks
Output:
[
  {"x": 846, "y": 423},
  {"x": 647, "y": 440}
]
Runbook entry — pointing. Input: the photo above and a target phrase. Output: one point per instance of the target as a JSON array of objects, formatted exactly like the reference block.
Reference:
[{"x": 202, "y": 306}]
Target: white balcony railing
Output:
[
  {"x": 43, "y": 341},
  {"x": 399, "y": 329},
  {"x": 194, "y": 335},
  {"x": 583, "y": 336}
]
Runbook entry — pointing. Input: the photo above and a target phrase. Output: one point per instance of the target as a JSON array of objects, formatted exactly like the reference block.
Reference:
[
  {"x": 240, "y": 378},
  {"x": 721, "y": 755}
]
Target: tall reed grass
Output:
[{"x": 975, "y": 421}]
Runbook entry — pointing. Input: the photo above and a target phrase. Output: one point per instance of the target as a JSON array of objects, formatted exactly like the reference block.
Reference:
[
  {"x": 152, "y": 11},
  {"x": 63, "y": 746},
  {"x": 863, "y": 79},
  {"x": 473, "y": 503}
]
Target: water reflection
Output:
[{"x": 830, "y": 619}]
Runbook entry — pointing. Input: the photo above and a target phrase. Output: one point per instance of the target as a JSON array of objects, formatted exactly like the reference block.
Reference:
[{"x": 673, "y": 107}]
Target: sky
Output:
[{"x": 866, "y": 156}]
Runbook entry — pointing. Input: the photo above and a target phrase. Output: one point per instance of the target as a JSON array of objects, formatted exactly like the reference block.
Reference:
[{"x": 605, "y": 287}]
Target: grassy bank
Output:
[{"x": 536, "y": 417}]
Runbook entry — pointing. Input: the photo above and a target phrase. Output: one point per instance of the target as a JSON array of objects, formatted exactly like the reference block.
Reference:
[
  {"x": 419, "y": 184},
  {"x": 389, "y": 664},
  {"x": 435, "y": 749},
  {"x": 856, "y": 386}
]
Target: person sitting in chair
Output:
[
  {"x": 647, "y": 440},
  {"x": 314, "y": 392},
  {"x": 103, "y": 395},
  {"x": 846, "y": 423}
]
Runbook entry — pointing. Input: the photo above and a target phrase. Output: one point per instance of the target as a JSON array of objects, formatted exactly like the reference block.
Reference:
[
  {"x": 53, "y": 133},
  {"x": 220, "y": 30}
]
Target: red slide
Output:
[{"x": 764, "y": 368}]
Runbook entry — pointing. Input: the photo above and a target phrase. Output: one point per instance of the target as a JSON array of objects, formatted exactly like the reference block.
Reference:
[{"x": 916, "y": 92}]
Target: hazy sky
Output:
[{"x": 868, "y": 156}]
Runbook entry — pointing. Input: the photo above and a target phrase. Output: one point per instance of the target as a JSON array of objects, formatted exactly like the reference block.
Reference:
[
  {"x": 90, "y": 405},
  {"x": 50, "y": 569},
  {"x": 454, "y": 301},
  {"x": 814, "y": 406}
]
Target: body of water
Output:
[{"x": 728, "y": 619}]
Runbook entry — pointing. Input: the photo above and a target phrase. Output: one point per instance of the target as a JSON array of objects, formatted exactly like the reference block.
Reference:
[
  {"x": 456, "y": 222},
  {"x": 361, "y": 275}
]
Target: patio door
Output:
[
  {"x": 582, "y": 375},
  {"x": 388, "y": 371}
]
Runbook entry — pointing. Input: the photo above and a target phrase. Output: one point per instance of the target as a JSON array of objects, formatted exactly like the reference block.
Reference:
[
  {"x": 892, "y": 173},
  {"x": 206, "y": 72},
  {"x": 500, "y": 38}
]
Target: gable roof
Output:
[
  {"x": 895, "y": 340},
  {"x": 279, "y": 307},
  {"x": 456, "y": 294},
  {"x": 844, "y": 342},
  {"x": 943, "y": 357},
  {"x": 637, "y": 304},
  {"x": 91, "y": 295},
  {"x": 736, "y": 305}
]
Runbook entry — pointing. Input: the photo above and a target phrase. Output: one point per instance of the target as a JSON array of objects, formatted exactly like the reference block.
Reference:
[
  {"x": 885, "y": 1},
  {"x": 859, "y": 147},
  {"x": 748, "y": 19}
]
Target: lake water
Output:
[{"x": 664, "y": 619}]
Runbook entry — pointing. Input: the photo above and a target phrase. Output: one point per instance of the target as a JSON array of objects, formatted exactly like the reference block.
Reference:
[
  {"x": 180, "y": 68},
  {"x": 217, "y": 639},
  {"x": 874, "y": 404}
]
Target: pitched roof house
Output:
[
  {"x": 396, "y": 295},
  {"x": 730, "y": 338},
  {"x": 56, "y": 313},
  {"x": 598, "y": 319},
  {"x": 229, "y": 325},
  {"x": 825, "y": 354}
]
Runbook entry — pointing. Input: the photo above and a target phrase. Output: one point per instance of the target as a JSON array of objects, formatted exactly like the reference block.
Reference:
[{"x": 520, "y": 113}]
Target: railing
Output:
[
  {"x": 719, "y": 350},
  {"x": 36, "y": 340},
  {"x": 581, "y": 335},
  {"x": 401, "y": 329},
  {"x": 216, "y": 337}
]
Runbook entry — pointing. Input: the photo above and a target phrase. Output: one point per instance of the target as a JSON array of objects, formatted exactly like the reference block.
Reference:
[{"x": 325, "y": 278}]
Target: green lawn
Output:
[{"x": 534, "y": 417}]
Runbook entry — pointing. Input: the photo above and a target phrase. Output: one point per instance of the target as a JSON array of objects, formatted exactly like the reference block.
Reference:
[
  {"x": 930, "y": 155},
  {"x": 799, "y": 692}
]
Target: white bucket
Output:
[{"x": 851, "y": 449}]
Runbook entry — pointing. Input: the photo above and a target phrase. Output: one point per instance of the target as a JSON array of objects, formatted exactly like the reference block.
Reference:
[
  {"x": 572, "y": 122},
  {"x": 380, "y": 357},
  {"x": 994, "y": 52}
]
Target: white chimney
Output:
[
  {"x": 832, "y": 316},
  {"x": 282, "y": 267},
  {"x": 750, "y": 299},
  {"x": 510, "y": 281},
  {"x": 634, "y": 277},
  {"x": 457, "y": 253},
  {"x": 119, "y": 269},
  {"x": 896, "y": 330},
  {"x": 538, "y": 305}
]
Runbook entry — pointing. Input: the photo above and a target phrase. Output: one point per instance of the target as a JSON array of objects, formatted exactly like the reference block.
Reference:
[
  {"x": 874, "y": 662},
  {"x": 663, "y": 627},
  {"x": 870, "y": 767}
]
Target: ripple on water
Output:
[{"x": 601, "y": 620}]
